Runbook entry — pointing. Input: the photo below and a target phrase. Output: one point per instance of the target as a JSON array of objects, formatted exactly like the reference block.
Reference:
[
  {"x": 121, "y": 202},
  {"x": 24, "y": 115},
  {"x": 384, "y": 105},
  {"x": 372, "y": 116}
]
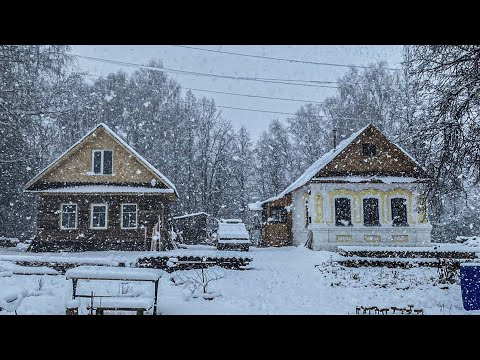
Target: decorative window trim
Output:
[
  {"x": 319, "y": 208},
  {"x": 61, "y": 216},
  {"x": 101, "y": 162},
  {"x": 352, "y": 195},
  {"x": 399, "y": 193},
  {"x": 372, "y": 238},
  {"x": 400, "y": 238},
  {"x": 343, "y": 238},
  {"x": 91, "y": 217},
  {"x": 422, "y": 209},
  {"x": 121, "y": 216}
]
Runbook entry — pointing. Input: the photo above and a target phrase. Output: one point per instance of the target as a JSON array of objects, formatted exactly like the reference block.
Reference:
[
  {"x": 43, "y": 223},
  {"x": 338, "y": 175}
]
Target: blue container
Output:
[{"x": 470, "y": 284}]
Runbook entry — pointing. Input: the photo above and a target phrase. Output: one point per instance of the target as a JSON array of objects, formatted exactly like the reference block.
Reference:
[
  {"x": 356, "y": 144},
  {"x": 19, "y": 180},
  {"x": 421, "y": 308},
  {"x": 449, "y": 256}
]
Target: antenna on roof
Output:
[{"x": 334, "y": 139}]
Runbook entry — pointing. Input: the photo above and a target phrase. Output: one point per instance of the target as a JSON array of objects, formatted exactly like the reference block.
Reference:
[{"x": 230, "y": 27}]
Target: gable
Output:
[
  {"x": 347, "y": 159},
  {"x": 75, "y": 166},
  {"x": 389, "y": 159}
]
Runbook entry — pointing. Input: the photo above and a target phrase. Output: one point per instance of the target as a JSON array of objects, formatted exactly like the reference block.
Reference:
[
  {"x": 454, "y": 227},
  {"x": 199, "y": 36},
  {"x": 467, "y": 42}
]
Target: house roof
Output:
[
  {"x": 374, "y": 178},
  {"x": 189, "y": 215},
  {"x": 117, "y": 138},
  {"x": 325, "y": 160},
  {"x": 104, "y": 189}
]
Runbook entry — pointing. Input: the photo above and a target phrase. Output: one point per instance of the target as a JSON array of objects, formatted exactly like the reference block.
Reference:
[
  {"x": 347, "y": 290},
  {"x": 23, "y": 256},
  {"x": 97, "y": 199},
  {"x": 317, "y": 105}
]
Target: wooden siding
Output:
[
  {"x": 49, "y": 213},
  {"x": 277, "y": 234},
  {"x": 77, "y": 167},
  {"x": 389, "y": 160}
]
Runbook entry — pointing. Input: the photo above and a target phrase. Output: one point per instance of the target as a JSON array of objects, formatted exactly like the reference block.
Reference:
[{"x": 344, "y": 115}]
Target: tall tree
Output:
[
  {"x": 311, "y": 134},
  {"x": 30, "y": 81},
  {"x": 243, "y": 171},
  {"x": 443, "y": 87},
  {"x": 372, "y": 95},
  {"x": 274, "y": 160}
]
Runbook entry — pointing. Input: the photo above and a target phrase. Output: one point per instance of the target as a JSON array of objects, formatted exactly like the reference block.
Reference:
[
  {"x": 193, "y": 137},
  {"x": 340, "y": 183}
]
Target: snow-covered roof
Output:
[
  {"x": 232, "y": 231},
  {"x": 113, "y": 273},
  {"x": 383, "y": 179},
  {"x": 256, "y": 206},
  {"x": 324, "y": 161},
  {"x": 162, "y": 177},
  {"x": 316, "y": 167},
  {"x": 193, "y": 214},
  {"x": 105, "y": 189}
]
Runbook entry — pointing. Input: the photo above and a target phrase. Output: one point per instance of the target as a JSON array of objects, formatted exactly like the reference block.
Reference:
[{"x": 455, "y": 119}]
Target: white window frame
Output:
[
  {"x": 136, "y": 216},
  {"x": 390, "y": 217},
  {"x": 380, "y": 210},
  {"x": 61, "y": 216},
  {"x": 106, "y": 217},
  {"x": 101, "y": 151},
  {"x": 352, "y": 213}
]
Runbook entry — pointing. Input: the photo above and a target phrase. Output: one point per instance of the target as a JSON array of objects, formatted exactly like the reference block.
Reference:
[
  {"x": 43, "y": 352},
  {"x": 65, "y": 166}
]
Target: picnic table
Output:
[{"x": 107, "y": 302}]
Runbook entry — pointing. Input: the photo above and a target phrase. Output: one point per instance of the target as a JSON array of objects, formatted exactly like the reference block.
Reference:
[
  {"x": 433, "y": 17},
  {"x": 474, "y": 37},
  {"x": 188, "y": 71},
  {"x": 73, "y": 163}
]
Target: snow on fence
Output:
[
  {"x": 173, "y": 263},
  {"x": 405, "y": 252},
  {"x": 182, "y": 260},
  {"x": 402, "y": 257},
  {"x": 55, "y": 264},
  {"x": 8, "y": 241}
]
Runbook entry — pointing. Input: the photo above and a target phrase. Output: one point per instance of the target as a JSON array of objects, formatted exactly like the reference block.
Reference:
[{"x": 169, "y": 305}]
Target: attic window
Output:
[
  {"x": 369, "y": 150},
  {"x": 102, "y": 162}
]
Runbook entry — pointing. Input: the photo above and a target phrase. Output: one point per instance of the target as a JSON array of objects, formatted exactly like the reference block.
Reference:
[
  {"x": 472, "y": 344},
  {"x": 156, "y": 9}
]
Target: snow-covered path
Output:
[{"x": 283, "y": 281}]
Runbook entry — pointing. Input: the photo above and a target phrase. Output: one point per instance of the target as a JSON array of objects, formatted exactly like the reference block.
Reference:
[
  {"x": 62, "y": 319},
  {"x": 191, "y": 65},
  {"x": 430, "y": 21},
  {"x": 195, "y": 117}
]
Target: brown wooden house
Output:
[
  {"x": 366, "y": 191},
  {"x": 100, "y": 194}
]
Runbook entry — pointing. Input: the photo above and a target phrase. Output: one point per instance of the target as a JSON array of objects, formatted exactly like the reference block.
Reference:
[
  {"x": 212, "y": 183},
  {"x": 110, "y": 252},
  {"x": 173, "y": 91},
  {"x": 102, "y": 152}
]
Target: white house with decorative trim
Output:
[{"x": 366, "y": 191}]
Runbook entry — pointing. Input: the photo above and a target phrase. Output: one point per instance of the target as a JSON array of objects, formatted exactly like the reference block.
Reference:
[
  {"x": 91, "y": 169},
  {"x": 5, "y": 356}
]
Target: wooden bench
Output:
[
  {"x": 139, "y": 304},
  {"x": 123, "y": 303}
]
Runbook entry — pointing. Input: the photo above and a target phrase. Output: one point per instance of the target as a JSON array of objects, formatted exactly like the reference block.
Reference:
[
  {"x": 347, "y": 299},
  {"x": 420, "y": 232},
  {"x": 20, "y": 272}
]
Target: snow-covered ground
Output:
[{"x": 285, "y": 280}]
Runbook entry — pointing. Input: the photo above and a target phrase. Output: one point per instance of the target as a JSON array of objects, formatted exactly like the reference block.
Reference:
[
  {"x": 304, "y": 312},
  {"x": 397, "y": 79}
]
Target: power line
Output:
[
  {"x": 284, "y": 113},
  {"x": 246, "y": 109},
  {"x": 237, "y": 94},
  {"x": 237, "y": 108},
  {"x": 255, "y": 110},
  {"x": 254, "y": 96},
  {"x": 300, "y": 80},
  {"x": 194, "y": 73},
  {"x": 279, "y": 59}
]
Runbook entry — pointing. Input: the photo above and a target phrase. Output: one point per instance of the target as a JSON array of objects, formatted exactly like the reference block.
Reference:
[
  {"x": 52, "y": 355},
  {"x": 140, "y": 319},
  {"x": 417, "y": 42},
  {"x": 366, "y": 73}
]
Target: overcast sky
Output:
[{"x": 216, "y": 63}]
